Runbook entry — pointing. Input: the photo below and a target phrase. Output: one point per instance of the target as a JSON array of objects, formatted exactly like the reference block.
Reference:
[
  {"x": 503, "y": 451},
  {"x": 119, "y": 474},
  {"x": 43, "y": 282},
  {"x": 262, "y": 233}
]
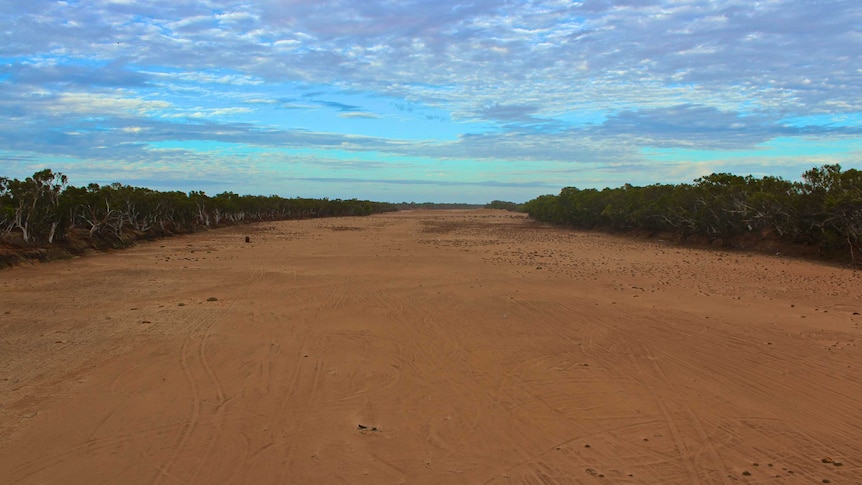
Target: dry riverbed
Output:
[{"x": 432, "y": 347}]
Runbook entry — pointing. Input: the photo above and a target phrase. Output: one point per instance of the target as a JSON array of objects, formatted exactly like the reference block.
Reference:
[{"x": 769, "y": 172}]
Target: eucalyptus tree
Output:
[
  {"x": 36, "y": 205},
  {"x": 7, "y": 208}
]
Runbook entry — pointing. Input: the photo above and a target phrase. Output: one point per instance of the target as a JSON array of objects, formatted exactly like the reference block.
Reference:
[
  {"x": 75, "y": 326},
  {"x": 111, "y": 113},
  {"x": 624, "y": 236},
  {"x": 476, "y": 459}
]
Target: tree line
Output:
[
  {"x": 823, "y": 209},
  {"x": 505, "y": 205},
  {"x": 45, "y": 209},
  {"x": 410, "y": 206}
]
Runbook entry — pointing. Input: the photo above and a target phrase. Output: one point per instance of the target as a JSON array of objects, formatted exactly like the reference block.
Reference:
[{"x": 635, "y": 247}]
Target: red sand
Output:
[{"x": 428, "y": 347}]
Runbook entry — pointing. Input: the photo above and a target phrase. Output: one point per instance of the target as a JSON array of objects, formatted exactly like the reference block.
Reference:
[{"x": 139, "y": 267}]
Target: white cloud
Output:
[
  {"x": 359, "y": 114},
  {"x": 104, "y": 104},
  {"x": 717, "y": 74},
  {"x": 230, "y": 111}
]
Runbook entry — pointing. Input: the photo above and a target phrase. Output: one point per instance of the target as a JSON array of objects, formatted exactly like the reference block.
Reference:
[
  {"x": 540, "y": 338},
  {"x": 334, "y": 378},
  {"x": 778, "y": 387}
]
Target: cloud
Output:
[
  {"x": 94, "y": 75},
  {"x": 441, "y": 183},
  {"x": 511, "y": 112},
  {"x": 523, "y": 48},
  {"x": 358, "y": 114},
  {"x": 208, "y": 77},
  {"x": 707, "y": 127},
  {"x": 345, "y": 108},
  {"x": 591, "y": 84},
  {"x": 688, "y": 124}
]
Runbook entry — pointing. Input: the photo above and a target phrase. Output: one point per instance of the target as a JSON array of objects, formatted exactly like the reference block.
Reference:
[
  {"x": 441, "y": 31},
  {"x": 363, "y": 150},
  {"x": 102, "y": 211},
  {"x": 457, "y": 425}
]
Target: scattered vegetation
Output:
[
  {"x": 822, "y": 211},
  {"x": 43, "y": 211}
]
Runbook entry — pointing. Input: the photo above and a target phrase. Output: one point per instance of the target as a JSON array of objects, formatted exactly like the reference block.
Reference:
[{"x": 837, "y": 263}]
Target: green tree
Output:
[
  {"x": 7, "y": 207},
  {"x": 36, "y": 205}
]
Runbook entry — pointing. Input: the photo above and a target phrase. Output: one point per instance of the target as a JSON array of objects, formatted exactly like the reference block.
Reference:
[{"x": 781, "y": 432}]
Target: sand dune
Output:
[{"x": 429, "y": 347}]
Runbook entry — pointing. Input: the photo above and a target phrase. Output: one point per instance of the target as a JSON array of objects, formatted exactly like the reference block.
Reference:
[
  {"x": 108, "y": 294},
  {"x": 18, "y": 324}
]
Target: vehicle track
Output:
[{"x": 194, "y": 345}]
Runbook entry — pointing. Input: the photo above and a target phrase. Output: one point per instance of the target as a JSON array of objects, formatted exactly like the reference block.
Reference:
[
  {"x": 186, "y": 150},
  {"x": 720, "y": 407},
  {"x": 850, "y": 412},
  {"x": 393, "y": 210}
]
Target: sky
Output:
[{"x": 432, "y": 100}]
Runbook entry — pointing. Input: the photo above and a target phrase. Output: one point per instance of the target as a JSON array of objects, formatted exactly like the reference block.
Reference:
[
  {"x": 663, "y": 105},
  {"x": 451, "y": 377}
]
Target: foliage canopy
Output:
[
  {"x": 44, "y": 209},
  {"x": 824, "y": 209}
]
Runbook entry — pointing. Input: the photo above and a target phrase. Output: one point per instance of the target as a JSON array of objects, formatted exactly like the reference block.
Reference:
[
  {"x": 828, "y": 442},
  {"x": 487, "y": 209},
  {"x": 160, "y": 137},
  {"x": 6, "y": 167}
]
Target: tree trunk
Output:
[{"x": 52, "y": 232}]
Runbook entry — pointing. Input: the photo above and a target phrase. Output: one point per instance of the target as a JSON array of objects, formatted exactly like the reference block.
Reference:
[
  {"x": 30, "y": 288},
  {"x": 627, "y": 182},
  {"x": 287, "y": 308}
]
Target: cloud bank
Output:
[{"x": 459, "y": 98}]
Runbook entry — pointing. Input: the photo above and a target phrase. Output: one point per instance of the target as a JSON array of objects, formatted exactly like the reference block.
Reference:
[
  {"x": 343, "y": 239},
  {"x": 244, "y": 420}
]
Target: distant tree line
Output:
[
  {"x": 44, "y": 209},
  {"x": 505, "y": 205},
  {"x": 408, "y": 206},
  {"x": 824, "y": 209}
]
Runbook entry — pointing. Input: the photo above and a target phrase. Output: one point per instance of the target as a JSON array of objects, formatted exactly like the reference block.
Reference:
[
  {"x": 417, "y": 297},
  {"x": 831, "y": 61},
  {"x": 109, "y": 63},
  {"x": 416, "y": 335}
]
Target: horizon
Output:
[{"x": 426, "y": 101}]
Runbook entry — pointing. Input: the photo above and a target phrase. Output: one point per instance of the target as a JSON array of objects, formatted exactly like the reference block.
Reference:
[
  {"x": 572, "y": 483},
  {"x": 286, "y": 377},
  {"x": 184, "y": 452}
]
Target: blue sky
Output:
[{"x": 426, "y": 100}]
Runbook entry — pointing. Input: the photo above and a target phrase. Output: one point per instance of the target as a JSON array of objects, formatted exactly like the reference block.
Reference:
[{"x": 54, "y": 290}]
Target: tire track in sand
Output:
[
  {"x": 332, "y": 300},
  {"x": 201, "y": 331}
]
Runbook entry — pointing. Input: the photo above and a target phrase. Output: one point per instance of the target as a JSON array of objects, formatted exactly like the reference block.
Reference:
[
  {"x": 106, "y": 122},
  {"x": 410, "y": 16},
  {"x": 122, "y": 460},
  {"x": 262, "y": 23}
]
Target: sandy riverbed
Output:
[{"x": 429, "y": 347}]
